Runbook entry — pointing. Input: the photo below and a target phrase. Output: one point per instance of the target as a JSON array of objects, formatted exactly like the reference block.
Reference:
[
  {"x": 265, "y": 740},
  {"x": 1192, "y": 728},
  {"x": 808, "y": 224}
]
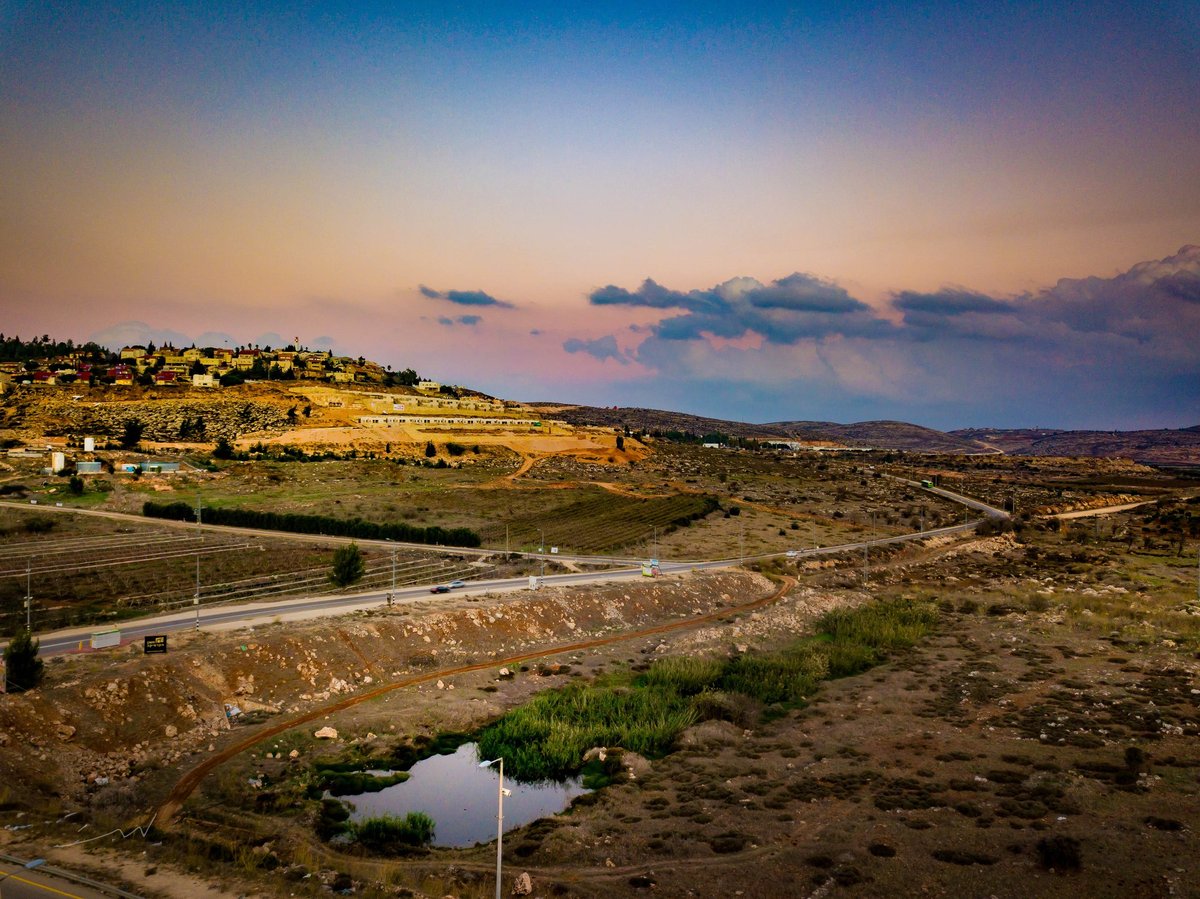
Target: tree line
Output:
[{"x": 317, "y": 524}]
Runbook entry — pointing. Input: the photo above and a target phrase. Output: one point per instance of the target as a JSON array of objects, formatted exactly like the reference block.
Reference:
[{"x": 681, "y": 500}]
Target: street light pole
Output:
[{"x": 500, "y": 793}]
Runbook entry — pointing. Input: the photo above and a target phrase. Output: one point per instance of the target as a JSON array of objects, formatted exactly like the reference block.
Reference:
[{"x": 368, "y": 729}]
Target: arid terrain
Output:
[{"x": 1037, "y": 736}]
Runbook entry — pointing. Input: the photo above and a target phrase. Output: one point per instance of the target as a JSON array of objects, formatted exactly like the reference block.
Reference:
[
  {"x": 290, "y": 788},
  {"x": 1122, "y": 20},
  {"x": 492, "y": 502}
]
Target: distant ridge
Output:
[
  {"x": 899, "y": 435},
  {"x": 1162, "y": 446},
  {"x": 896, "y": 435}
]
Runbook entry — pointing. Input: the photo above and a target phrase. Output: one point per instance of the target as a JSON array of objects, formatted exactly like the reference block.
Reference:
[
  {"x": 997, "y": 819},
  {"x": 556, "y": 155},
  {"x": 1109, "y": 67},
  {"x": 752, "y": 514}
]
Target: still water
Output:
[{"x": 461, "y": 798}]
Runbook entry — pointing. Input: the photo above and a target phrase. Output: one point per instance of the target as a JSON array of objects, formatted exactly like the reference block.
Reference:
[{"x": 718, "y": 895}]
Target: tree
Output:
[
  {"x": 223, "y": 449},
  {"x": 620, "y": 442},
  {"x": 430, "y": 450},
  {"x": 348, "y": 565},
  {"x": 23, "y": 668},
  {"x": 131, "y": 436},
  {"x": 76, "y": 484}
]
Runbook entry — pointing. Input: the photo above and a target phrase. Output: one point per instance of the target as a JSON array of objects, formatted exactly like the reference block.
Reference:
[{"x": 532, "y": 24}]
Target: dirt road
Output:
[{"x": 191, "y": 779}]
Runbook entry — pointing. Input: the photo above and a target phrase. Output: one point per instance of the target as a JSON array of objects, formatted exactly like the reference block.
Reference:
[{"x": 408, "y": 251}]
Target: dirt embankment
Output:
[{"x": 101, "y": 723}]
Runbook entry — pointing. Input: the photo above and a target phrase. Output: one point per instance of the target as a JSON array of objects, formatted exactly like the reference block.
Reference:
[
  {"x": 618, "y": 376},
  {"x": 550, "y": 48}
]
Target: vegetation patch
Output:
[
  {"x": 316, "y": 524},
  {"x": 548, "y": 737}
]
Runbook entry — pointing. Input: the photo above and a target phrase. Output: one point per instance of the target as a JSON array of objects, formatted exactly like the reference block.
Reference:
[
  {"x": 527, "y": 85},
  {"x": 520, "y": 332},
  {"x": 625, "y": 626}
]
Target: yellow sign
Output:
[{"x": 154, "y": 644}]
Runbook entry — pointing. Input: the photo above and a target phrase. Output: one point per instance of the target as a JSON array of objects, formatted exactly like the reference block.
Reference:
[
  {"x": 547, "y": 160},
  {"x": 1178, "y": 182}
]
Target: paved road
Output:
[
  {"x": 227, "y": 617},
  {"x": 222, "y": 617},
  {"x": 47, "y": 882}
]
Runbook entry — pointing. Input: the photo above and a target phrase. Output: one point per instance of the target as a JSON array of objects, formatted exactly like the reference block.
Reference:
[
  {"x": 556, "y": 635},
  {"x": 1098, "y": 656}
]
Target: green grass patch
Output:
[
  {"x": 548, "y": 737},
  {"x": 393, "y": 833}
]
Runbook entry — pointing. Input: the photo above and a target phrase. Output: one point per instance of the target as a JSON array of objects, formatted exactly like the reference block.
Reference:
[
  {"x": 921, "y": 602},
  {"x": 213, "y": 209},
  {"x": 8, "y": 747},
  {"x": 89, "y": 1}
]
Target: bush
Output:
[
  {"x": 75, "y": 485},
  {"x": 390, "y": 833},
  {"x": 23, "y": 668},
  {"x": 347, "y": 566},
  {"x": 1060, "y": 853}
]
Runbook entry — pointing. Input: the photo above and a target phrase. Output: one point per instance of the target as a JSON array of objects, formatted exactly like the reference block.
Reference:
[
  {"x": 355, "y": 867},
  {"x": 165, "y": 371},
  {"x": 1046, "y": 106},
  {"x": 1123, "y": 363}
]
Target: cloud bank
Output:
[{"x": 1084, "y": 352}]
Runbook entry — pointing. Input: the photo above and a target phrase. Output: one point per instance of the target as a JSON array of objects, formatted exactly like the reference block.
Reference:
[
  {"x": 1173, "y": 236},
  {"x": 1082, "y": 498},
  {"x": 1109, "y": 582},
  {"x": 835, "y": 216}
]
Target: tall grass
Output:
[
  {"x": 547, "y": 737},
  {"x": 390, "y": 833}
]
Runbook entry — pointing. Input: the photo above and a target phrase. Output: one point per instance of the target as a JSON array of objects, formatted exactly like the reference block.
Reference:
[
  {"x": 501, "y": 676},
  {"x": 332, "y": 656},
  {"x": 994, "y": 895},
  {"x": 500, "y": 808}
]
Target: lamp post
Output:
[
  {"x": 35, "y": 863},
  {"x": 500, "y": 794},
  {"x": 392, "y": 595}
]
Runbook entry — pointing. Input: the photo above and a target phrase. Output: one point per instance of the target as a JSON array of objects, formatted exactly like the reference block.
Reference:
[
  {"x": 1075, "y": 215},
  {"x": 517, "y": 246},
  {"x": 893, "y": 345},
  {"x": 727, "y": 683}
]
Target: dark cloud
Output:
[
  {"x": 469, "y": 320},
  {"x": 794, "y": 308},
  {"x": 960, "y": 313},
  {"x": 465, "y": 297},
  {"x": 601, "y": 348}
]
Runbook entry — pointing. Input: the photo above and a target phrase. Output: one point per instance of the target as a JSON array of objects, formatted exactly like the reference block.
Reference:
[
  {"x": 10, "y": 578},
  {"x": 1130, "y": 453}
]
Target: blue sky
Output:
[{"x": 354, "y": 171}]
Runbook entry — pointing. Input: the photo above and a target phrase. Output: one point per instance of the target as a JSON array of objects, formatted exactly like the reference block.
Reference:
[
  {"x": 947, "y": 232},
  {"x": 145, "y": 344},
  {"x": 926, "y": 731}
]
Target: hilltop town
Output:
[{"x": 203, "y": 367}]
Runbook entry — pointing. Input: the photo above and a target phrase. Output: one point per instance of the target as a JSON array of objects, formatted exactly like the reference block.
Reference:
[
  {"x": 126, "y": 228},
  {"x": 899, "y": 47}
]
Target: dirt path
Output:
[
  {"x": 1103, "y": 510},
  {"x": 187, "y": 784}
]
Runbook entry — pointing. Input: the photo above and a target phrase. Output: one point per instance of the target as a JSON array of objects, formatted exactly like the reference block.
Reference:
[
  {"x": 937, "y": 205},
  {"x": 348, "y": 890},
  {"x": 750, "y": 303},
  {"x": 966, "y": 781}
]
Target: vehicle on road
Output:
[
  {"x": 439, "y": 588},
  {"x": 791, "y": 553},
  {"x": 454, "y": 585}
]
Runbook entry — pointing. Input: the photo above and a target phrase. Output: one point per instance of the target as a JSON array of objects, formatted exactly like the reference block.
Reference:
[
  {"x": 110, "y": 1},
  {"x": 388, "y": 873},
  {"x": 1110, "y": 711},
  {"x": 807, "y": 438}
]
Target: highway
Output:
[
  {"x": 211, "y": 618},
  {"x": 44, "y": 881},
  {"x": 228, "y": 617}
]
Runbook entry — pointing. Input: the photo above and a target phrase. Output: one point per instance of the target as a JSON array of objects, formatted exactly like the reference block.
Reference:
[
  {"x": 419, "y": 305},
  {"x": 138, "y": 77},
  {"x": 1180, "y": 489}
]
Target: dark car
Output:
[{"x": 440, "y": 588}]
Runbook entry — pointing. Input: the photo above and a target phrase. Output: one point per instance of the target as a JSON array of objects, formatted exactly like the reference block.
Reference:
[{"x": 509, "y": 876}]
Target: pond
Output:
[{"x": 461, "y": 798}]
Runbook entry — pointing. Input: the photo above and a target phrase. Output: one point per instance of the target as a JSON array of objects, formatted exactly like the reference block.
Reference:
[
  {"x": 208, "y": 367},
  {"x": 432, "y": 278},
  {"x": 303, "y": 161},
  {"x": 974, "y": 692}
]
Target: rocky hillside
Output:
[
  {"x": 1162, "y": 446},
  {"x": 198, "y": 417}
]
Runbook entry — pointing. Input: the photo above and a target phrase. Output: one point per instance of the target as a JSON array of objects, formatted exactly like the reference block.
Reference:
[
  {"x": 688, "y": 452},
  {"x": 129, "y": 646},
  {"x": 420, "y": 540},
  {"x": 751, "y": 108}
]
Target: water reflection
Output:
[{"x": 461, "y": 798}]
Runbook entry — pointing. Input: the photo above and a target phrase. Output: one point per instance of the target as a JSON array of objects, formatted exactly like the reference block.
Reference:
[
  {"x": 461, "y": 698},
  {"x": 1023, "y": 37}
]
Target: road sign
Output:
[{"x": 154, "y": 644}]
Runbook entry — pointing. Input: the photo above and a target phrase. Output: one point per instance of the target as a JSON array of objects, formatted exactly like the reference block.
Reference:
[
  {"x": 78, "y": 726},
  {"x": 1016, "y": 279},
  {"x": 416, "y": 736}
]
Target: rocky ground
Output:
[{"x": 1026, "y": 749}]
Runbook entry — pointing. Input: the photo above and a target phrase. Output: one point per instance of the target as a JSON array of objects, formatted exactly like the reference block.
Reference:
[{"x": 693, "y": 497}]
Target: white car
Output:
[{"x": 791, "y": 553}]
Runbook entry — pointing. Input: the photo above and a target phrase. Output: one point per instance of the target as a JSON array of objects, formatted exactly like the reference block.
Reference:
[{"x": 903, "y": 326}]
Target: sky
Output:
[{"x": 953, "y": 213}]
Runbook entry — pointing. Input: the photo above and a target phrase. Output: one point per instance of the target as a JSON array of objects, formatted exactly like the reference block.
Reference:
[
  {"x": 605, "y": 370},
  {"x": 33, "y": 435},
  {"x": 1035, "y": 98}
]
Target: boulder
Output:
[
  {"x": 326, "y": 733},
  {"x": 523, "y": 885}
]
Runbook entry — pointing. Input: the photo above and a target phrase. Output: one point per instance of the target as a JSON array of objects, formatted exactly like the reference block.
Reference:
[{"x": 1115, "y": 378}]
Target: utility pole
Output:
[
  {"x": 741, "y": 542},
  {"x": 200, "y": 537},
  {"x": 29, "y": 595},
  {"x": 506, "y": 539},
  {"x": 866, "y": 560},
  {"x": 655, "y": 556},
  {"x": 393, "y": 593}
]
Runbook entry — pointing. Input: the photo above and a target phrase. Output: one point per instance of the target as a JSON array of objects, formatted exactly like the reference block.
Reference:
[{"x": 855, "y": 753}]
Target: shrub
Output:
[
  {"x": 389, "y": 833},
  {"x": 347, "y": 566},
  {"x": 23, "y": 668},
  {"x": 1059, "y": 852}
]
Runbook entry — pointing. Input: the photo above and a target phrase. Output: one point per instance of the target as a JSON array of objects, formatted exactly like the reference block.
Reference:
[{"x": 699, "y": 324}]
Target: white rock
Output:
[{"x": 326, "y": 733}]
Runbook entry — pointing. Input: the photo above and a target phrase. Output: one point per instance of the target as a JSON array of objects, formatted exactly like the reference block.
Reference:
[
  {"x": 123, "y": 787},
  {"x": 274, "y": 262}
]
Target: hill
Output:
[
  {"x": 898, "y": 435},
  {"x": 1162, "y": 446}
]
